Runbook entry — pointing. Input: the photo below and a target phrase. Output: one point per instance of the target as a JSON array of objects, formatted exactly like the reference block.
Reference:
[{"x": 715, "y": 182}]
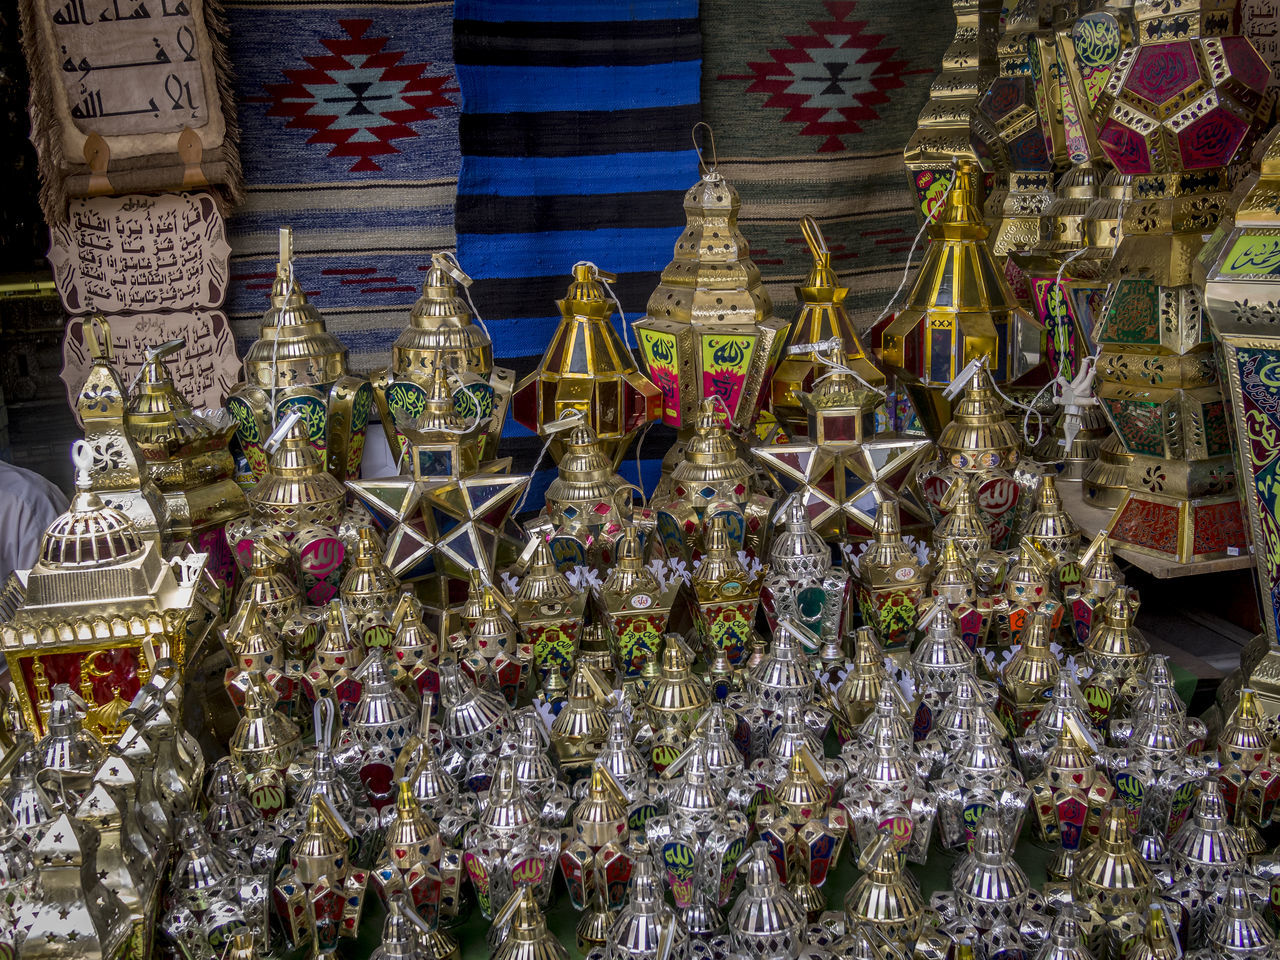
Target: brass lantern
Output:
[
  {"x": 709, "y": 329},
  {"x": 187, "y": 456},
  {"x": 961, "y": 308},
  {"x": 1180, "y": 108},
  {"x": 949, "y": 125},
  {"x": 712, "y": 479},
  {"x": 443, "y": 333},
  {"x": 98, "y": 592},
  {"x": 1242, "y": 298},
  {"x": 844, "y": 471},
  {"x": 296, "y": 364},
  {"x": 820, "y": 318},
  {"x": 118, "y": 471},
  {"x": 588, "y": 368}
]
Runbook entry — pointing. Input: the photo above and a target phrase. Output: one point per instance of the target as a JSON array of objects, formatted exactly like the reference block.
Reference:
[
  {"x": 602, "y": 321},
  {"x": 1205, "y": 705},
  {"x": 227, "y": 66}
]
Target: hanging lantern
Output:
[
  {"x": 297, "y": 364},
  {"x": 587, "y": 368},
  {"x": 443, "y": 333},
  {"x": 960, "y": 309},
  {"x": 1180, "y": 108},
  {"x": 709, "y": 329},
  {"x": 844, "y": 471},
  {"x": 448, "y": 514},
  {"x": 820, "y": 318}
]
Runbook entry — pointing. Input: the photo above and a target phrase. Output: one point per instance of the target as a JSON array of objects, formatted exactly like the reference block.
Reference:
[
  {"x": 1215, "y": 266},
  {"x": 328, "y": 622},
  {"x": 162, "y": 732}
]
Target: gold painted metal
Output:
[
  {"x": 587, "y": 503},
  {"x": 187, "y": 457},
  {"x": 1243, "y": 302},
  {"x": 1069, "y": 798},
  {"x": 635, "y": 608},
  {"x": 712, "y": 478},
  {"x": 949, "y": 126},
  {"x": 119, "y": 473},
  {"x": 1118, "y": 653},
  {"x": 1156, "y": 376},
  {"x": 1028, "y": 677},
  {"x": 709, "y": 328},
  {"x": 579, "y": 729},
  {"x": 527, "y": 935},
  {"x": 727, "y": 597},
  {"x": 677, "y": 695},
  {"x": 821, "y": 317},
  {"x": 298, "y": 364},
  {"x": 449, "y": 512},
  {"x": 961, "y": 308},
  {"x": 979, "y": 448},
  {"x": 883, "y": 898},
  {"x": 844, "y": 471},
  {"x": 97, "y": 594},
  {"x": 588, "y": 368},
  {"x": 891, "y": 583},
  {"x": 550, "y": 614},
  {"x": 443, "y": 333}
]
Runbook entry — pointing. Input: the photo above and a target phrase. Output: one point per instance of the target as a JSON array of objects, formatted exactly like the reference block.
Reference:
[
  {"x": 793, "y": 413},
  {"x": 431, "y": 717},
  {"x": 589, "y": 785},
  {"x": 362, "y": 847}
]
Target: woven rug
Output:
[
  {"x": 575, "y": 138},
  {"x": 812, "y": 103},
  {"x": 349, "y": 133}
]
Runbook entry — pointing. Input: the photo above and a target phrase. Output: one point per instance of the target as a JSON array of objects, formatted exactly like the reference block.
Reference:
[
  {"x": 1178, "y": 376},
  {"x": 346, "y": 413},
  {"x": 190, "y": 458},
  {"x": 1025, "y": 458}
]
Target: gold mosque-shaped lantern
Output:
[
  {"x": 98, "y": 596},
  {"x": 187, "y": 457},
  {"x": 443, "y": 333},
  {"x": 118, "y": 471},
  {"x": 820, "y": 318},
  {"x": 961, "y": 308},
  {"x": 709, "y": 328},
  {"x": 588, "y": 369},
  {"x": 296, "y": 364}
]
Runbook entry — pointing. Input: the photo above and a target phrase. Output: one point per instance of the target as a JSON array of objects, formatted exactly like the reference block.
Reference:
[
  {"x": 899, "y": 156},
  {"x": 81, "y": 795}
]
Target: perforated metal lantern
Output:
[{"x": 709, "y": 328}]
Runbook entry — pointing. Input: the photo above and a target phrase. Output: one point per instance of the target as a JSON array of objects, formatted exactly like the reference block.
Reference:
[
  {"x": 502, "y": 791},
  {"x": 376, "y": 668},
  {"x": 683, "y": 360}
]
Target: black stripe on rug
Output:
[
  {"x": 578, "y": 133},
  {"x": 536, "y": 296},
  {"x": 622, "y": 43},
  {"x": 540, "y": 214}
]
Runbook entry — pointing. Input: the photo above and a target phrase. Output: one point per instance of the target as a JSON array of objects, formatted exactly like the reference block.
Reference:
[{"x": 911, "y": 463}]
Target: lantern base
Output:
[
  {"x": 1178, "y": 530},
  {"x": 1104, "y": 478}
]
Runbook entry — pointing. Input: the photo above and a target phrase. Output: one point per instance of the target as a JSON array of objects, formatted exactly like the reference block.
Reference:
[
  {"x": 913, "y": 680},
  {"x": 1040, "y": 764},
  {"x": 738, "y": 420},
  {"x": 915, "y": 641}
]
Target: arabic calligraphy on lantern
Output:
[
  {"x": 129, "y": 66},
  {"x": 141, "y": 254}
]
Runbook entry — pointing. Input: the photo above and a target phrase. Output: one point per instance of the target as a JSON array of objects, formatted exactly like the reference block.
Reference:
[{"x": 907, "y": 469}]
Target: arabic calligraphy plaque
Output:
[
  {"x": 205, "y": 369},
  {"x": 139, "y": 253}
]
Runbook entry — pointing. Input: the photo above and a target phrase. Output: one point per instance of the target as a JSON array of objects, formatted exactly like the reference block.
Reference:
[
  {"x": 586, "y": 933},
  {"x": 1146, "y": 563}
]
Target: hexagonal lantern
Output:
[{"x": 1183, "y": 105}]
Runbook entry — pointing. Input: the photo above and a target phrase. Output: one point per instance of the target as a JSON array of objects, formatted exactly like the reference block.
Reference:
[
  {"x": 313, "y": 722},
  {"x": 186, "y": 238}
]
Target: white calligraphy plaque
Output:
[
  {"x": 204, "y": 370},
  {"x": 129, "y": 66},
  {"x": 141, "y": 253}
]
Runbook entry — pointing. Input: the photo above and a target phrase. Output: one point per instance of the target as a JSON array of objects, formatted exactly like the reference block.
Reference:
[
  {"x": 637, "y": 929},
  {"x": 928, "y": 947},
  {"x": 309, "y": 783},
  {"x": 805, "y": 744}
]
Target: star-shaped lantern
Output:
[
  {"x": 844, "y": 471},
  {"x": 449, "y": 514}
]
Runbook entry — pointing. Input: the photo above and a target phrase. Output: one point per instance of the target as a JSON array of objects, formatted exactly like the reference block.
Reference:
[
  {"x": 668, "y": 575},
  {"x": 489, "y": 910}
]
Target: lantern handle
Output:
[
  {"x": 715, "y": 154},
  {"x": 817, "y": 242},
  {"x": 97, "y": 335}
]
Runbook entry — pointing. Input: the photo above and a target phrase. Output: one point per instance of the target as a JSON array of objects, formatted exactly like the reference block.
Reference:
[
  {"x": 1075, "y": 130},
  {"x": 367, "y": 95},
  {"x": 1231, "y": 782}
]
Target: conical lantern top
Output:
[
  {"x": 1236, "y": 929},
  {"x": 292, "y": 337},
  {"x": 629, "y": 571},
  {"x": 964, "y": 524},
  {"x": 1244, "y": 738},
  {"x": 1100, "y": 575},
  {"x": 961, "y": 216},
  {"x": 1159, "y": 940},
  {"x": 979, "y": 435},
  {"x": 441, "y": 324},
  {"x": 544, "y": 582},
  {"x": 1110, "y": 873},
  {"x": 1033, "y": 666},
  {"x": 585, "y": 472},
  {"x": 587, "y": 369}
]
